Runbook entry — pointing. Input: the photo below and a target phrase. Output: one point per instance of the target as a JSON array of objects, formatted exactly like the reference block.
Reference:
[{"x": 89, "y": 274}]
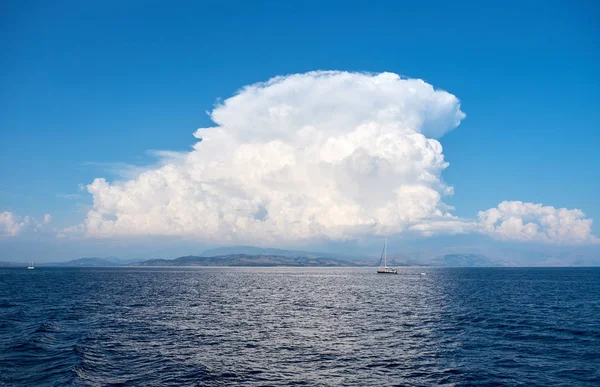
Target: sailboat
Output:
[
  {"x": 383, "y": 267},
  {"x": 31, "y": 267}
]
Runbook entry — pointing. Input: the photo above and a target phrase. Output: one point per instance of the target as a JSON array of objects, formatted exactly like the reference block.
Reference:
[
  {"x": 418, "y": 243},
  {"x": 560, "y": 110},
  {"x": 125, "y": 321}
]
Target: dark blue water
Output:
[{"x": 312, "y": 326}]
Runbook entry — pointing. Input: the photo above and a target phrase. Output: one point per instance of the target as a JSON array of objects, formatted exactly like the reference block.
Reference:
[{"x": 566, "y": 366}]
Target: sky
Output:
[{"x": 153, "y": 128}]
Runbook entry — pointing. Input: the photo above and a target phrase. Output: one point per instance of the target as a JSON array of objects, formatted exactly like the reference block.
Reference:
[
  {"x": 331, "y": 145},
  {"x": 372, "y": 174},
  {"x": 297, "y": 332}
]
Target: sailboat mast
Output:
[{"x": 385, "y": 253}]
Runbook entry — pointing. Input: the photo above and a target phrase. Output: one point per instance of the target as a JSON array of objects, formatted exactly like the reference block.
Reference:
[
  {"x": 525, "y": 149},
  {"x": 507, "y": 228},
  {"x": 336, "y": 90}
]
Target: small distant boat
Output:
[
  {"x": 31, "y": 267},
  {"x": 423, "y": 273},
  {"x": 383, "y": 267}
]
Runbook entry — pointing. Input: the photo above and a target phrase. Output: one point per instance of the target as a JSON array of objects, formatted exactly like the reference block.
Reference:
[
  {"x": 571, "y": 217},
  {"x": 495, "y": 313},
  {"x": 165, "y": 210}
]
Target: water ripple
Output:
[{"x": 304, "y": 326}]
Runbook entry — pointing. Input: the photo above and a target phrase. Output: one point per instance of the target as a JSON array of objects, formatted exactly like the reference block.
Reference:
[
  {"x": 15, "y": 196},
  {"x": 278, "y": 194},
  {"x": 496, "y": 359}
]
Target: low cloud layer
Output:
[
  {"x": 12, "y": 225},
  {"x": 321, "y": 155}
]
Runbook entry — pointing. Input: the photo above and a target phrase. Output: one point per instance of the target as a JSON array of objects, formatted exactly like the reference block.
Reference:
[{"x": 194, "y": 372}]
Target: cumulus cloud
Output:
[
  {"x": 331, "y": 155},
  {"x": 12, "y": 225},
  {"x": 518, "y": 221},
  {"x": 316, "y": 155}
]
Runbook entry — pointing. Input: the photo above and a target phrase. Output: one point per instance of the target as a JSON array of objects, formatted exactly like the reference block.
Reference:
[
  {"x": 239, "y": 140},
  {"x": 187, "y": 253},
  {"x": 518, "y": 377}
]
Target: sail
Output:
[
  {"x": 382, "y": 259},
  {"x": 383, "y": 267}
]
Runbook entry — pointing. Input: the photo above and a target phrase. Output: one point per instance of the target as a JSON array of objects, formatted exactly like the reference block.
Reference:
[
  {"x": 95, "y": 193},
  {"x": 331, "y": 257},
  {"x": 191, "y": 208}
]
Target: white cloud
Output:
[
  {"x": 518, "y": 221},
  {"x": 12, "y": 225},
  {"x": 316, "y": 155},
  {"x": 331, "y": 155}
]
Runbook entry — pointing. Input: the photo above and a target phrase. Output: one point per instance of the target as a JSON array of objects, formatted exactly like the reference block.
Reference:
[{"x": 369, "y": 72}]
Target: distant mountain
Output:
[
  {"x": 251, "y": 260},
  {"x": 252, "y": 250},
  {"x": 84, "y": 262},
  {"x": 452, "y": 256},
  {"x": 91, "y": 262},
  {"x": 256, "y": 256}
]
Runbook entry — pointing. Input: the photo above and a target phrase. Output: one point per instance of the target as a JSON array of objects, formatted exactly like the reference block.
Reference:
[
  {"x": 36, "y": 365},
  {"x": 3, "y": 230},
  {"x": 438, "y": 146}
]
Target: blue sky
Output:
[{"x": 88, "y": 87}]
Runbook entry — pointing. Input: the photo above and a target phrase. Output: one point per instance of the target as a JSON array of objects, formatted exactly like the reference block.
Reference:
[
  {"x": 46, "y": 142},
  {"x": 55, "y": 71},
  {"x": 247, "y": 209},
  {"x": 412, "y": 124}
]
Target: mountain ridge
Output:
[
  {"x": 264, "y": 260},
  {"x": 457, "y": 256}
]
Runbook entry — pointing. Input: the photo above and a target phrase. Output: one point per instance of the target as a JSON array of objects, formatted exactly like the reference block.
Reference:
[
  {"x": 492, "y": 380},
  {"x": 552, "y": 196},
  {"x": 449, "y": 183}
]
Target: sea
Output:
[{"x": 299, "y": 326}]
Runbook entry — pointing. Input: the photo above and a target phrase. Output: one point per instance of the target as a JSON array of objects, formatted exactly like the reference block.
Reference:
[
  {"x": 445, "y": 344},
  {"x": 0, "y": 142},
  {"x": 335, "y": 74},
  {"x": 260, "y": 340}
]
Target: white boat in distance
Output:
[
  {"x": 383, "y": 267},
  {"x": 31, "y": 267}
]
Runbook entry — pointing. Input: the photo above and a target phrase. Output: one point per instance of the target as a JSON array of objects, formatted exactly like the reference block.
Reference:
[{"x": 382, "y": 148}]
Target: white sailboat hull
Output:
[{"x": 387, "y": 270}]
